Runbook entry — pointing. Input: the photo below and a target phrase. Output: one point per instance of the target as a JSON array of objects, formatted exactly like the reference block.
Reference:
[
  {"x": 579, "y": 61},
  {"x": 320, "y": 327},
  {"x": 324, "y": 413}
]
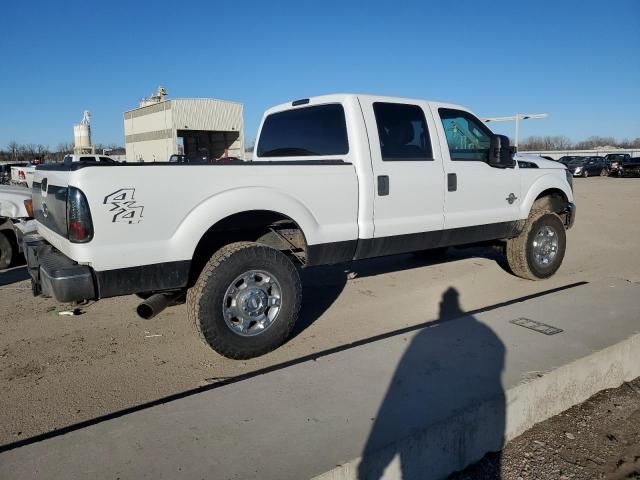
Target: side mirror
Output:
[{"x": 500, "y": 152}]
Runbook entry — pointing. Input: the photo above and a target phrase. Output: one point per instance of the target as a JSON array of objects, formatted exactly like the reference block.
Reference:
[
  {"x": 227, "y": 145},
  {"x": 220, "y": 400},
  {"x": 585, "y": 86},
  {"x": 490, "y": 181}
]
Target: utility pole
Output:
[{"x": 517, "y": 117}]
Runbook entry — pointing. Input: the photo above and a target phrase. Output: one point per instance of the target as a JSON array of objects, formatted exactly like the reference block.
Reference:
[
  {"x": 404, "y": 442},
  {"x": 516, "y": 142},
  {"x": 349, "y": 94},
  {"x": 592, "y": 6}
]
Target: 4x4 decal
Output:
[{"x": 124, "y": 206}]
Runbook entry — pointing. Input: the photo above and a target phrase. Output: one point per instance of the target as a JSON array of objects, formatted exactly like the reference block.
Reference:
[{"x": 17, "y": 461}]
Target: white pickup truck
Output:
[
  {"x": 335, "y": 178},
  {"x": 15, "y": 210}
]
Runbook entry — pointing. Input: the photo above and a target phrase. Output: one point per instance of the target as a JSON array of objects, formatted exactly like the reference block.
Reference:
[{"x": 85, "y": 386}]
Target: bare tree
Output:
[
  {"x": 13, "y": 150},
  {"x": 556, "y": 142}
]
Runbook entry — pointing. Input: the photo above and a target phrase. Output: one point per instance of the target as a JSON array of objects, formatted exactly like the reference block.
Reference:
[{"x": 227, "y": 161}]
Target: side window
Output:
[
  {"x": 467, "y": 137},
  {"x": 67, "y": 160},
  {"x": 87, "y": 159},
  {"x": 310, "y": 131},
  {"x": 403, "y": 132},
  {"x": 107, "y": 160}
]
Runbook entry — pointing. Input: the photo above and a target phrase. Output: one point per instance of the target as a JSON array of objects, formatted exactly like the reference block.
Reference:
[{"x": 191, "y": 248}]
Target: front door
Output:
[{"x": 481, "y": 199}]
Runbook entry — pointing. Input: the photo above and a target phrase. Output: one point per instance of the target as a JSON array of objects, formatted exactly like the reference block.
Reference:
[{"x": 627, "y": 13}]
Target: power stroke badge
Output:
[{"x": 124, "y": 206}]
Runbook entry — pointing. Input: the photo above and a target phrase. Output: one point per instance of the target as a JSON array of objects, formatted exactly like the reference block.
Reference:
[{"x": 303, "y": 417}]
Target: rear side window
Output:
[
  {"x": 467, "y": 137},
  {"x": 310, "y": 131},
  {"x": 107, "y": 160},
  {"x": 403, "y": 132},
  {"x": 87, "y": 159}
]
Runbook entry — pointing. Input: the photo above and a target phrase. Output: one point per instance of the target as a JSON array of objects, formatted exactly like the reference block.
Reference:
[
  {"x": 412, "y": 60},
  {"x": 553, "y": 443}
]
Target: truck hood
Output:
[
  {"x": 539, "y": 161},
  {"x": 12, "y": 201}
]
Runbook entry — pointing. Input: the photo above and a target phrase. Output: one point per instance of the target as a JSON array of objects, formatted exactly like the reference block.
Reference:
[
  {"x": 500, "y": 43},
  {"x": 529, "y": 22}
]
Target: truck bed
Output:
[{"x": 151, "y": 213}]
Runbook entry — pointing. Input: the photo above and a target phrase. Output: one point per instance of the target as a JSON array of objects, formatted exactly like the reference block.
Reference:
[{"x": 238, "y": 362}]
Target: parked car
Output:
[
  {"x": 15, "y": 206},
  {"x": 335, "y": 178},
  {"x": 628, "y": 167},
  {"x": 614, "y": 160},
  {"x": 588, "y": 166},
  {"x": 567, "y": 159},
  {"x": 5, "y": 172}
]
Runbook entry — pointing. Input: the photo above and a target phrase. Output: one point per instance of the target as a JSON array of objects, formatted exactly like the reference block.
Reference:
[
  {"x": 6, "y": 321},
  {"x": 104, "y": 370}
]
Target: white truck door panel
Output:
[
  {"x": 477, "y": 193},
  {"x": 407, "y": 173}
]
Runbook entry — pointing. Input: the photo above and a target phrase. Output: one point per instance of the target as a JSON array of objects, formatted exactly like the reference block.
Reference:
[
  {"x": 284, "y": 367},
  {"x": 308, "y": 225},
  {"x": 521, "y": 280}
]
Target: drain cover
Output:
[{"x": 536, "y": 326}]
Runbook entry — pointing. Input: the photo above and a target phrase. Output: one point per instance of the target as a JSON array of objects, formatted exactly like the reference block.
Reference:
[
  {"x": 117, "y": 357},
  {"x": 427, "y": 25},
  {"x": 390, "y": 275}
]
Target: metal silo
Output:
[{"x": 82, "y": 134}]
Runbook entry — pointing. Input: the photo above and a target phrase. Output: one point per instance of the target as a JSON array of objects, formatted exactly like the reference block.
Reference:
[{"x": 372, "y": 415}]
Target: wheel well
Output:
[
  {"x": 263, "y": 226},
  {"x": 10, "y": 234},
  {"x": 552, "y": 199}
]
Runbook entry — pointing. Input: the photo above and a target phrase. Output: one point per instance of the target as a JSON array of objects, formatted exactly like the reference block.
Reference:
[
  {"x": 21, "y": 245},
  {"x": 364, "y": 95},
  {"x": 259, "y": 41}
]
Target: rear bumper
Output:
[
  {"x": 55, "y": 275},
  {"x": 571, "y": 215}
]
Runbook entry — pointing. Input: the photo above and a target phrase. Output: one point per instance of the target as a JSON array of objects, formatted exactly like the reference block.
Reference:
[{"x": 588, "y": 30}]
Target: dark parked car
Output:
[
  {"x": 5, "y": 172},
  {"x": 589, "y": 166},
  {"x": 628, "y": 168},
  {"x": 566, "y": 160},
  {"x": 614, "y": 159}
]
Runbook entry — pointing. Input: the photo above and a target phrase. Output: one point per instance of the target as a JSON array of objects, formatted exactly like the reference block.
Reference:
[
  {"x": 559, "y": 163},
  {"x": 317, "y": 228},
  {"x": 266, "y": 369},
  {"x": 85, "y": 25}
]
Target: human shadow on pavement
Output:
[
  {"x": 445, "y": 405},
  {"x": 448, "y": 316}
]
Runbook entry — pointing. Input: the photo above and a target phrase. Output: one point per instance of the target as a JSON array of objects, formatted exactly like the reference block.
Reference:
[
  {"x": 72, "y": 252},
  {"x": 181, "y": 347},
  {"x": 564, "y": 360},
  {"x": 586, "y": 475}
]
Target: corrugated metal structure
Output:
[{"x": 195, "y": 127}]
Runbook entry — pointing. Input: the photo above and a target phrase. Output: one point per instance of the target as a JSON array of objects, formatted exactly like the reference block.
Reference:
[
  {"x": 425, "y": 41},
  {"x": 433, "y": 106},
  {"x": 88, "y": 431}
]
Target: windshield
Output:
[{"x": 616, "y": 157}]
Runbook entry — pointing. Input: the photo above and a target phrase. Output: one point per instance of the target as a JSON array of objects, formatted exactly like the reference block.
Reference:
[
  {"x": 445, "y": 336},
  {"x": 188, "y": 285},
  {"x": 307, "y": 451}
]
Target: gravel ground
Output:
[
  {"x": 57, "y": 370},
  {"x": 598, "y": 439}
]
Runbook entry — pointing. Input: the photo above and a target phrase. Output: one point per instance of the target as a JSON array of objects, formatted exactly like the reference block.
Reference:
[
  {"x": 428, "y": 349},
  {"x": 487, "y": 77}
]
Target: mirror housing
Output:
[{"x": 501, "y": 153}]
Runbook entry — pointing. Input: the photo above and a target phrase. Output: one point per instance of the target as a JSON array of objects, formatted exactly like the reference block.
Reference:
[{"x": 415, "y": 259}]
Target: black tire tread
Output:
[
  {"x": 7, "y": 251},
  {"x": 516, "y": 250},
  {"x": 208, "y": 274}
]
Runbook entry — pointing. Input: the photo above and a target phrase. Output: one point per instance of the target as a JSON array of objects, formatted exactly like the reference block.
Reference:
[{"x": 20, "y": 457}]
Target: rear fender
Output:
[{"x": 238, "y": 200}]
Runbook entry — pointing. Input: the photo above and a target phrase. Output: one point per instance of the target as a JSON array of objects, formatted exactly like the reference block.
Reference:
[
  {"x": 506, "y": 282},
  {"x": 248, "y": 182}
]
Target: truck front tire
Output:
[
  {"x": 246, "y": 300},
  {"x": 538, "y": 251}
]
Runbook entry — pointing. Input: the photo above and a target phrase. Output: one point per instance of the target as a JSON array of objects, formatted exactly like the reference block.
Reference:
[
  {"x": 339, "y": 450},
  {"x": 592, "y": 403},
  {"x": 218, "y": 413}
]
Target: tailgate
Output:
[{"x": 50, "y": 199}]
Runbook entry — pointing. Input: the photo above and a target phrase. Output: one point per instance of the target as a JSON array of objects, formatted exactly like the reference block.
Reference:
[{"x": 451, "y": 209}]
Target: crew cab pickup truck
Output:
[{"x": 335, "y": 178}]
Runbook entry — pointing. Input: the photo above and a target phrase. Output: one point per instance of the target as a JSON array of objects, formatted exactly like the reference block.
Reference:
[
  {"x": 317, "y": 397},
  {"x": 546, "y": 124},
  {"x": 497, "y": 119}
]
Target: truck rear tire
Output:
[
  {"x": 538, "y": 251},
  {"x": 7, "y": 252},
  {"x": 246, "y": 300}
]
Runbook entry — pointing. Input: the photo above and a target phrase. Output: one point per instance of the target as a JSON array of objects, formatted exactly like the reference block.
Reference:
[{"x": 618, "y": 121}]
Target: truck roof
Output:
[{"x": 343, "y": 97}]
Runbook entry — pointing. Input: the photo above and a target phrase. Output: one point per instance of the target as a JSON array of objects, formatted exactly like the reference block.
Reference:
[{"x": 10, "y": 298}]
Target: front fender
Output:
[
  {"x": 223, "y": 204},
  {"x": 548, "y": 181}
]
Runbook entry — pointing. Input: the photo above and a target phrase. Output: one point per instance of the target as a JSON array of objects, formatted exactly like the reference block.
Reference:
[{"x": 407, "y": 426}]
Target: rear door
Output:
[
  {"x": 481, "y": 199},
  {"x": 408, "y": 177}
]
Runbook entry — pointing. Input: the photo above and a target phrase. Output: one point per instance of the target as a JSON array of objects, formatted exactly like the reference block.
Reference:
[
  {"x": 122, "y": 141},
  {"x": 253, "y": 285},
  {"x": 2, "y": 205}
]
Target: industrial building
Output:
[{"x": 198, "y": 128}]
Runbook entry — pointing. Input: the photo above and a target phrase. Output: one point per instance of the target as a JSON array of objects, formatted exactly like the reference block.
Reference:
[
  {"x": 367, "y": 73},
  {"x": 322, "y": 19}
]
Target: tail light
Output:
[
  {"x": 21, "y": 175},
  {"x": 79, "y": 225}
]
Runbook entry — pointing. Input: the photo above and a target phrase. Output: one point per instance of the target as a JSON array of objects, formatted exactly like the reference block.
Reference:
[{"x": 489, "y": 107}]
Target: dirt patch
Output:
[{"x": 598, "y": 439}]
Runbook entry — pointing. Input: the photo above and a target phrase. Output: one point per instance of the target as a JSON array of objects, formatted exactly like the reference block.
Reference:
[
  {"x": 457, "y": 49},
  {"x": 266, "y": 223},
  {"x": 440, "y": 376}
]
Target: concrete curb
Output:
[{"x": 463, "y": 436}]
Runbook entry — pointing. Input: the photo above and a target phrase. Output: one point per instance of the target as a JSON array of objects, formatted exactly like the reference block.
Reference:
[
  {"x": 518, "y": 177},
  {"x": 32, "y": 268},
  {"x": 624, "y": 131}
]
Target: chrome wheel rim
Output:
[
  {"x": 252, "y": 303},
  {"x": 545, "y": 246}
]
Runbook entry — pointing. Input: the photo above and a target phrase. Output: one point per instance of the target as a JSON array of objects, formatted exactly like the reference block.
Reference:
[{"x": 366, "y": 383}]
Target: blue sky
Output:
[{"x": 577, "y": 60}]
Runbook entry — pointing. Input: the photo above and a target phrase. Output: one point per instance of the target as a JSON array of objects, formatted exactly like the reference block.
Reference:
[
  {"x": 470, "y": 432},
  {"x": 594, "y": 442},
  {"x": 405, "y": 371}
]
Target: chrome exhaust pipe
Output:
[{"x": 155, "y": 304}]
